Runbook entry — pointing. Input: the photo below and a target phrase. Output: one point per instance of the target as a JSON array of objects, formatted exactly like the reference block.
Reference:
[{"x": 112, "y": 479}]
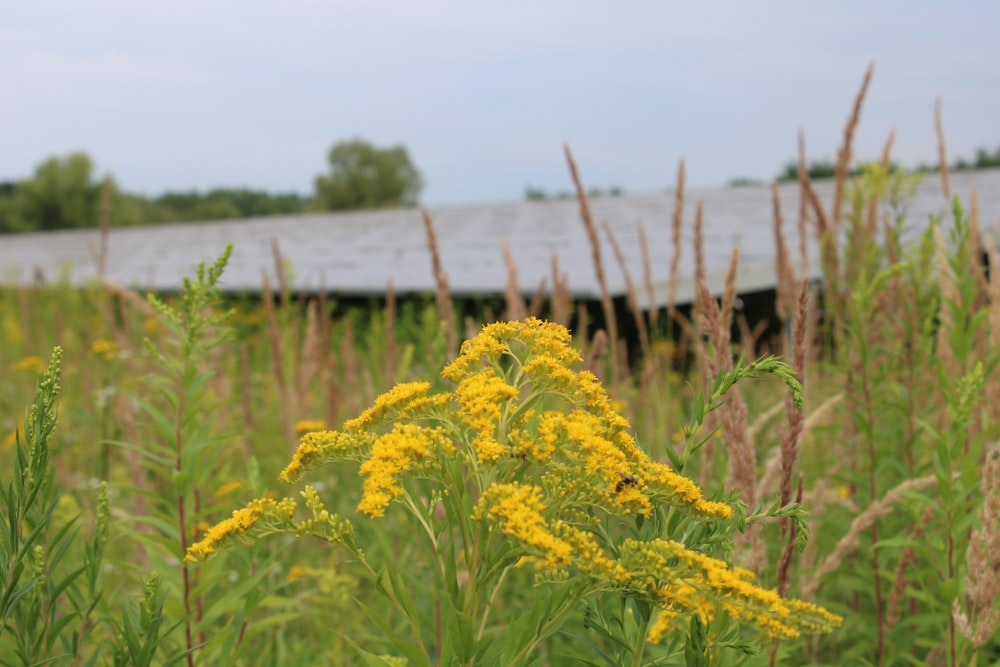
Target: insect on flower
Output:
[{"x": 626, "y": 480}]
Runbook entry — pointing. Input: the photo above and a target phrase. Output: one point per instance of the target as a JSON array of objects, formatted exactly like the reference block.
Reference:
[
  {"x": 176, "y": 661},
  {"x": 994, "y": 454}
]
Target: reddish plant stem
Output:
[{"x": 243, "y": 627}]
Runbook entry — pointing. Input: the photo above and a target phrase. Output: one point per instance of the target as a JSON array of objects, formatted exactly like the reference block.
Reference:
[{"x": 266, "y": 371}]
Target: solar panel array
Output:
[{"x": 357, "y": 253}]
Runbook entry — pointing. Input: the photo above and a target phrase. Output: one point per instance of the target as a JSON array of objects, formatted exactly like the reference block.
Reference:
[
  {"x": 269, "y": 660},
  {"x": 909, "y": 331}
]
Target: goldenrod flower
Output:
[
  {"x": 524, "y": 412},
  {"x": 533, "y": 337},
  {"x": 664, "y": 485},
  {"x": 390, "y": 405},
  {"x": 554, "y": 545},
  {"x": 30, "y": 363},
  {"x": 318, "y": 448},
  {"x": 304, "y": 426},
  {"x": 406, "y": 448},
  {"x": 228, "y": 487},
  {"x": 105, "y": 349},
  {"x": 518, "y": 508},
  {"x": 243, "y": 526},
  {"x": 666, "y": 624},
  {"x": 686, "y": 583},
  {"x": 481, "y": 400}
]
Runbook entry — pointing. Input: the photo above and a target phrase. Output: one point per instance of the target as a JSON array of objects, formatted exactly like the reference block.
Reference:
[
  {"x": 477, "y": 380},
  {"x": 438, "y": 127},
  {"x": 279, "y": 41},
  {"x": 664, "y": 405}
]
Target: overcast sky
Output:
[{"x": 184, "y": 94}]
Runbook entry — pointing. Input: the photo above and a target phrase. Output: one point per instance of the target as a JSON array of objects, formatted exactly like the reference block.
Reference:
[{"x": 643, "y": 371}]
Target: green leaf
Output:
[
  {"x": 412, "y": 652},
  {"x": 459, "y": 639},
  {"x": 370, "y": 659},
  {"x": 390, "y": 583}
]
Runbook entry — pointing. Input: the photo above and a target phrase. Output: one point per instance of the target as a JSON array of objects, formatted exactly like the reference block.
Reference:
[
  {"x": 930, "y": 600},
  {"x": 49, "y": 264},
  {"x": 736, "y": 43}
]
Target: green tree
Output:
[
  {"x": 365, "y": 176},
  {"x": 221, "y": 203},
  {"x": 987, "y": 160},
  {"x": 7, "y": 215},
  {"x": 817, "y": 170},
  {"x": 64, "y": 194},
  {"x": 532, "y": 193},
  {"x": 61, "y": 195}
]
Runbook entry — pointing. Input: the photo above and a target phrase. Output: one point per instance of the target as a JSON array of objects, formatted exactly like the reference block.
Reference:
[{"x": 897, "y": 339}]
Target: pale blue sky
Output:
[{"x": 183, "y": 94}]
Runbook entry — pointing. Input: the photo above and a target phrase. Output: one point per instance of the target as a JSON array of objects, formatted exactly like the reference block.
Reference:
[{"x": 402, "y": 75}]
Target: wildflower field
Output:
[{"x": 210, "y": 479}]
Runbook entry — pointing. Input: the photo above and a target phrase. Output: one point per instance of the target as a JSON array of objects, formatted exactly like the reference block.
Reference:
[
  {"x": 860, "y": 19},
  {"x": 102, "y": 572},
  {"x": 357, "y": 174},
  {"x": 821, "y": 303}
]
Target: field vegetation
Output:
[{"x": 208, "y": 479}]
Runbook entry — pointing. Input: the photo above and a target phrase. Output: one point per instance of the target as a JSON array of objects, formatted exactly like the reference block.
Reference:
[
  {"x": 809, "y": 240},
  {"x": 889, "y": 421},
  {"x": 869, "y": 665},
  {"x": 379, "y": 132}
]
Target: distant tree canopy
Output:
[
  {"x": 365, "y": 176},
  {"x": 223, "y": 203},
  {"x": 816, "y": 170},
  {"x": 65, "y": 192},
  {"x": 532, "y": 193},
  {"x": 743, "y": 182},
  {"x": 819, "y": 169},
  {"x": 62, "y": 194},
  {"x": 984, "y": 160}
]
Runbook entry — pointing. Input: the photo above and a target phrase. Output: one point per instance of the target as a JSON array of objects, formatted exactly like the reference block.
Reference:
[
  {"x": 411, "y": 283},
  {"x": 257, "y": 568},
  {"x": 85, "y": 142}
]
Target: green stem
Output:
[
  {"x": 489, "y": 603},
  {"x": 415, "y": 511},
  {"x": 553, "y": 622},
  {"x": 640, "y": 648}
]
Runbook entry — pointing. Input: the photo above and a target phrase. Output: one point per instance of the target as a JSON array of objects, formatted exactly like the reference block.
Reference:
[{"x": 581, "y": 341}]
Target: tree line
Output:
[
  {"x": 65, "y": 192},
  {"x": 820, "y": 169}
]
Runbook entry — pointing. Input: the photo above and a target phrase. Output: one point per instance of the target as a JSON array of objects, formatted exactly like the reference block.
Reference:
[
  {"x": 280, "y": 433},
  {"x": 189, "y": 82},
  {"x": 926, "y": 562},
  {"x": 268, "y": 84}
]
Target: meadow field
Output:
[{"x": 213, "y": 479}]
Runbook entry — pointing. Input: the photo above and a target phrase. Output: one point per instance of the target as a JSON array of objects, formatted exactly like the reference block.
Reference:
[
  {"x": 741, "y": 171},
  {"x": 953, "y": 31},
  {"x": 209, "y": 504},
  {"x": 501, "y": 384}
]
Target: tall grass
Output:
[{"x": 876, "y": 497}]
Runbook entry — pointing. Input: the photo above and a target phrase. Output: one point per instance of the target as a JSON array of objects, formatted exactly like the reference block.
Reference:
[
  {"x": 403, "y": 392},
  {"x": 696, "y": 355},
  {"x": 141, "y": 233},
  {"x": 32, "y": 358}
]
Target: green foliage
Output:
[
  {"x": 744, "y": 182},
  {"x": 53, "y": 606},
  {"x": 63, "y": 194},
  {"x": 365, "y": 176},
  {"x": 222, "y": 203},
  {"x": 917, "y": 378},
  {"x": 985, "y": 159},
  {"x": 816, "y": 170},
  {"x": 181, "y": 437},
  {"x": 891, "y": 476},
  {"x": 46, "y": 598},
  {"x": 533, "y": 193},
  {"x": 527, "y": 465}
]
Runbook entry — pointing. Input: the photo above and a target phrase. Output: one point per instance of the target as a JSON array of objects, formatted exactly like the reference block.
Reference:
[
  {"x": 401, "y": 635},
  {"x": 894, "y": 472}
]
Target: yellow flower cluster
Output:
[
  {"x": 304, "y": 426},
  {"x": 31, "y": 363},
  {"x": 404, "y": 449},
  {"x": 581, "y": 462},
  {"x": 531, "y": 338},
  {"x": 554, "y": 545},
  {"x": 228, "y": 487},
  {"x": 393, "y": 404},
  {"x": 105, "y": 349},
  {"x": 520, "y": 411},
  {"x": 481, "y": 400},
  {"x": 243, "y": 526},
  {"x": 518, "y": 508},
  {"x": 318, "y": 448},
  {"x": 662, "y": 484},
  {"x": 581, "y": 388},
  {"x": 686, "y": 583}
]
